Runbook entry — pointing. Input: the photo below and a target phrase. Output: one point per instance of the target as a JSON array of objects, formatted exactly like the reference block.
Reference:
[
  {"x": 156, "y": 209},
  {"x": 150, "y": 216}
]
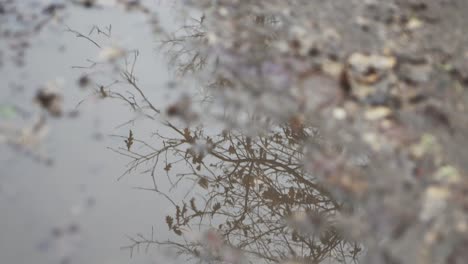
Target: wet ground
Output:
[{"x": 393, "y": 72}]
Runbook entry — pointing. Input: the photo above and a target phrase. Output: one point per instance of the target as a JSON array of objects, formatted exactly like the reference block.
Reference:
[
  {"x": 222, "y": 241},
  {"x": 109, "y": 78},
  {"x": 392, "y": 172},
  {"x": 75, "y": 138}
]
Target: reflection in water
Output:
[
  {"x": 249, "y": 198},
  {"x": 252, "y": 197}
]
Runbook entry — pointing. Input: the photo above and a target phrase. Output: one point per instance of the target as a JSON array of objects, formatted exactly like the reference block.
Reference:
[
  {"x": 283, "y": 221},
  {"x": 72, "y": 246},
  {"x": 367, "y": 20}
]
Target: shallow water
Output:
[{"x": 61, "y": 199}]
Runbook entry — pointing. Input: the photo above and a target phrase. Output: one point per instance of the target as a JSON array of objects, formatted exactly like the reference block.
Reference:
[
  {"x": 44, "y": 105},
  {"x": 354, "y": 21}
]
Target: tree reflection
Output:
[
  {"x": 249, "y": 195},
  {"x": 371, "y": 76},
  {"x": 255, "y": 193}
]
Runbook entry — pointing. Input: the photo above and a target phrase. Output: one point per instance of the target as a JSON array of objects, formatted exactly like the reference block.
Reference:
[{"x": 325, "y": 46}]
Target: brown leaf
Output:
[
  {"x": 177, "y": 231},
  {"x": 203, "y": 182},
  {"x": 169, "y": 221},
  {"x": 129, "y": 140},
  {"x": 232, "y": 150},
  {"x": 50, "y": 101},
  {"x": 216, "y": 207}
]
